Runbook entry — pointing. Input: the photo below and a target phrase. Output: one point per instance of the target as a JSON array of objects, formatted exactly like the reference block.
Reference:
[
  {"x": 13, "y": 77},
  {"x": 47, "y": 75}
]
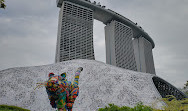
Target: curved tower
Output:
[
  {"x": 75, "y": 33},
  {"x": 119, "y": 46}
]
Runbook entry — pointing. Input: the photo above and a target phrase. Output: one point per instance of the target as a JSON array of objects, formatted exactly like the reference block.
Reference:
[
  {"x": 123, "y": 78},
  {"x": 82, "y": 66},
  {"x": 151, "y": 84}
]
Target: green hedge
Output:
[
  {"x": 138, "y": 107},
  {"x": 175, "y": 105},
  {"x": 172, "y": 104},
  {"x": 11, "y": 108}
]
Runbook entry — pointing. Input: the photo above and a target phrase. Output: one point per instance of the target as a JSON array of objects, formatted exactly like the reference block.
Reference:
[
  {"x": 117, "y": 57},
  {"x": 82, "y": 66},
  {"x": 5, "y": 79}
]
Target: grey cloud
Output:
[
  {"x": 28, "y": 31},
  {"x": 24, "y": 7}
]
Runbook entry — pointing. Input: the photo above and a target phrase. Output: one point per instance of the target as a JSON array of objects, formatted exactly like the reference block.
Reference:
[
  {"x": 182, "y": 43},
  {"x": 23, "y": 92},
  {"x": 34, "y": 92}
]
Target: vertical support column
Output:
[{"x": 110, "y": 43}]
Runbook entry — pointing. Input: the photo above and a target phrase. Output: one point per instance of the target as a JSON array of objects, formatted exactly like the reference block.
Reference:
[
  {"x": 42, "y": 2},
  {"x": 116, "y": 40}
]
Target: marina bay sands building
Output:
[
  {"x": 143, "y": 55},
  {"x": 119, "y": 46},
  {"x": 127, "y": 44},
  {"x": 75, "y": 33}
]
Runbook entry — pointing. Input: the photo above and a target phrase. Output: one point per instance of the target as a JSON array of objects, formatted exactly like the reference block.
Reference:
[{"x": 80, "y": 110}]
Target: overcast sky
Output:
[{"x": 28, "y": 33}]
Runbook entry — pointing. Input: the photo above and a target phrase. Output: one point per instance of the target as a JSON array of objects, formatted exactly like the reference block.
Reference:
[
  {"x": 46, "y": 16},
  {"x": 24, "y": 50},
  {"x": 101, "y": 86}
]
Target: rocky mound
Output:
[{"x": 100, "y": 84}]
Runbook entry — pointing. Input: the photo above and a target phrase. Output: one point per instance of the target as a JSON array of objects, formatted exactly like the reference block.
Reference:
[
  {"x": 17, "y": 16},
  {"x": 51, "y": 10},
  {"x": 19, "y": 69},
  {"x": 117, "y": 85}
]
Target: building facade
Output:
[
  {"x": 75, "y": 33},
  {"x": 143, "y": 55},
  {"x": 127, "y": 44},
  {"x": 119, "y": 46}
]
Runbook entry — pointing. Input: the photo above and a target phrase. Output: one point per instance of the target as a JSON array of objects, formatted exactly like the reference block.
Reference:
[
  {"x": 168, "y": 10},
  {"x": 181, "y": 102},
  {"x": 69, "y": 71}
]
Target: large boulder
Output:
[{"x": 99, "y": 83}]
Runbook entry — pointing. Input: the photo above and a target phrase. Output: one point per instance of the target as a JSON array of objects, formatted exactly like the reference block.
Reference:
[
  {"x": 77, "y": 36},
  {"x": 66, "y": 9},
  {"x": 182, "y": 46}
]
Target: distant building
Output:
[
  {"x": 75, "y": 33},
  {"x": 119, "y": 46}
]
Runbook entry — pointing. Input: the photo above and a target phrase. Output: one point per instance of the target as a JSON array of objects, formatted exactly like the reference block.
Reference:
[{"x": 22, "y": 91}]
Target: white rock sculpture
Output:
[{"x": 100, "y": 84}]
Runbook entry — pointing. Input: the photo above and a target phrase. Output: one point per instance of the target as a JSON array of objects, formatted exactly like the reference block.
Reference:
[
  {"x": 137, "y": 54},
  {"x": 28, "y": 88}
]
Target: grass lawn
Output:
[{"x": 11, "y": 108}]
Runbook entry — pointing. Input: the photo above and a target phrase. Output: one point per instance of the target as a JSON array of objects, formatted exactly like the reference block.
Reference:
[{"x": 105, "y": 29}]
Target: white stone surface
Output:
[{"x": 100, "y": 84}]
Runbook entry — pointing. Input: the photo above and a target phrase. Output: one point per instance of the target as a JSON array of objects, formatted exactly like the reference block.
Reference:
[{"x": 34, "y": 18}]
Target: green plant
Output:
[
  {"x": 2, "y": 4},
  {"x": 186, "y": 85},
  {"x": 186, "y": 88},
  {"x": 138, "y": 107},
  {"x": 141, "y": 107},
  {"x": 172, "y": 104},
  {"x": 11, "y": 108},
  {"x": 186, "y": 93}
]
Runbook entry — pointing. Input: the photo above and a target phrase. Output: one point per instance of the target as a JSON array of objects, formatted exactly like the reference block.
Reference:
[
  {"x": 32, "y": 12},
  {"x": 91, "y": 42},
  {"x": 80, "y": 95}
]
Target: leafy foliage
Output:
[
  {"x": 2, "y": 4},
  {"x": 186, "y": 88},
  {"x": 186, "y": 93},
  {"x": 138, "y": 107},
  {"x": 11, "y": 108},
  {"x": 172, "y": 104},
  {"x": 186, "y": 85},
  {"x": 175, "y": 105}
]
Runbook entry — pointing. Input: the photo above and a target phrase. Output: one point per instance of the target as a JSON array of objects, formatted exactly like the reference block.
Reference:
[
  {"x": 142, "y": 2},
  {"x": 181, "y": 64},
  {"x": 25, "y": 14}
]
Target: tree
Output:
[
  {"x": 2, "y": 4},
  {"x": 186, "y": 85},
  {"x": 186, "y": 88}
]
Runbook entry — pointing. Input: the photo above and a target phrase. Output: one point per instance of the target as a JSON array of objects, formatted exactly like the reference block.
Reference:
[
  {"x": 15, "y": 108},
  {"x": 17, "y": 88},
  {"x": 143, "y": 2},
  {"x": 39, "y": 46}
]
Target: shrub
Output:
[
  {"x": 172, "y": 104},
  {"x": 11, "y": 108},
  {"x": 138, "y": 107}
]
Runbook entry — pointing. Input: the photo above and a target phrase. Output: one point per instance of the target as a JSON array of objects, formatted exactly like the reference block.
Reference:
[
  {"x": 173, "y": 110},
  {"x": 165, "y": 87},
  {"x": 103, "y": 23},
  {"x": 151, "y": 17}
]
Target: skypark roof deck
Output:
[{"x": 107, "y": 15}]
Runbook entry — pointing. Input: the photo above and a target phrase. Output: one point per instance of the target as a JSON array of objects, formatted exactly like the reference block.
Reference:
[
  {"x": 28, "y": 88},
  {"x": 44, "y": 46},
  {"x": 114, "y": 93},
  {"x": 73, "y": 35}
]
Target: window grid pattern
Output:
[
  {"x": 124, "y": 47},
  {"x": 76, "y": 37}
]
